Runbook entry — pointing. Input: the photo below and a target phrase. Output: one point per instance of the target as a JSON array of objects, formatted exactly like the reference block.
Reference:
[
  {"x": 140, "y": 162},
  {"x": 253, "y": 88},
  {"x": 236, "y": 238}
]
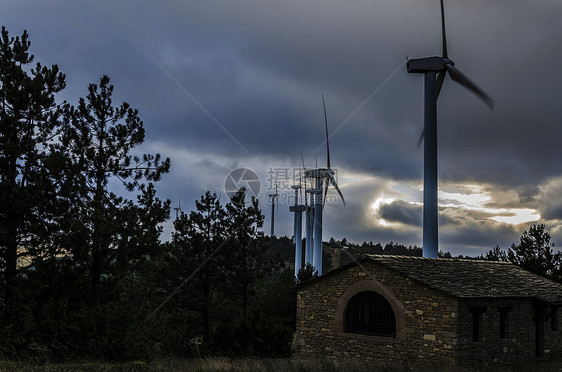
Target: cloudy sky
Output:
[{"x": 224, "y": 84}]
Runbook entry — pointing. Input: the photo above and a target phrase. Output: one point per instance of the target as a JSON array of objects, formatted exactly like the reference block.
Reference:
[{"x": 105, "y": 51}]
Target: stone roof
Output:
[{"x": 465, "y": 278}]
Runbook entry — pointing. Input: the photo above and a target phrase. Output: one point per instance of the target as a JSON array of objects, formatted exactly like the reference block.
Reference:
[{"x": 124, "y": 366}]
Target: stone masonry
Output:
[{"x": 434, "y": 314}]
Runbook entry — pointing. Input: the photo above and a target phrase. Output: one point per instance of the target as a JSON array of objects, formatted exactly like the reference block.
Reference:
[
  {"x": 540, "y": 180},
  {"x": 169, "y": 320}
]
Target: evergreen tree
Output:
[
  {"x": 268, "y": 328},
  {"x": 534, "y": 253},
  {"x": 496, "y": 254},
  {"x": 140, "y": 229},
  {"x": 246, "y": 247},
  {"x": 197, "y": 240},
  {"x": 99, "y": 139},
  {"x": 306, "y": 273},
  {"x": 29, "y": 122}
]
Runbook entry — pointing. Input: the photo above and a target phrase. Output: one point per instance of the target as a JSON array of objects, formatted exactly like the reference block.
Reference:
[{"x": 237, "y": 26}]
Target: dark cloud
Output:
[
  {"x": 549, "y": 200},
  {"x": 203, "y": 75},
  {"x": 402, "y": 212}
]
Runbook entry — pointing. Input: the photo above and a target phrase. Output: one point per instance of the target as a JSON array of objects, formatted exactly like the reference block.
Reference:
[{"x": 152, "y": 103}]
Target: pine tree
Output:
[
  {"x": 246, "y": 248},
  {"x": 534, "y": 253},
  {"x": 140, "y": 226},
  {"x": 198, "y": 241},
  {"x": 308, "y": 272},
  {"x": 99, "y": 139},
  {"x": 496, "y": 254},
  {"x": 29, "y": 123}
]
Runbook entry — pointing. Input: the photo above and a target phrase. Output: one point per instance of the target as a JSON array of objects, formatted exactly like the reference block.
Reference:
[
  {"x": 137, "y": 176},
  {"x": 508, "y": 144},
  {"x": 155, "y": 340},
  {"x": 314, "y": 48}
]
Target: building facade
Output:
[{"x": 399, "y": 310}]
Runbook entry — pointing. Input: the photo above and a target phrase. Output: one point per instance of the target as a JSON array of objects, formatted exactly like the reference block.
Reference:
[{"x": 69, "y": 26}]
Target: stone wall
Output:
[
  {"x": 432, "y": 328},
  {"x": 426, "y": 319},
  {"x": 518, "y": 343},
  {"x": 553, "y": 338}
]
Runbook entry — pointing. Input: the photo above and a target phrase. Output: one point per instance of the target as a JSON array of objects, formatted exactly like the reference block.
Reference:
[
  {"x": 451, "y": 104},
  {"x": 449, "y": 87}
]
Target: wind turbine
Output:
[
  {"x": 273, "y": 198},
  {"x": 324, "y": 177},
  {"x": 178, "y": 208},
  {"x": 435, "y": 69}
]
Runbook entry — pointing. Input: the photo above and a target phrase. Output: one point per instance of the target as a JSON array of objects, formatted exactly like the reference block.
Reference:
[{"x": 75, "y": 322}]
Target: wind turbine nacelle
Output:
[
  {"x": 427, "y": 64},
  {"x": 318, "y": 173},
  {"x": 297, "y": 208}
]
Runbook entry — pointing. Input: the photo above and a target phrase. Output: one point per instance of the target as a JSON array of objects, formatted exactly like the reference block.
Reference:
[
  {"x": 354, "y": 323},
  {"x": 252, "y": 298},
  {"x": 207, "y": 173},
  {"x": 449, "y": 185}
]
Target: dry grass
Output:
[{"x": 248, "y": 365}]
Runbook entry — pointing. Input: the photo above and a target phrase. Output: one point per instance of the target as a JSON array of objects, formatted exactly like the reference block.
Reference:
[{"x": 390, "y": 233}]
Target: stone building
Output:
[{"x": 399, "y": 310}]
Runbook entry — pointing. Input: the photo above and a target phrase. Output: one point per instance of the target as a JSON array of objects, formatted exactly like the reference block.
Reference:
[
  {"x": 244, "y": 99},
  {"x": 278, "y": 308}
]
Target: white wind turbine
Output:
[
  {"x": 324, "y": 177},
  {"x": 273, "y": 198},
  {"x": 435, "y": 69}
]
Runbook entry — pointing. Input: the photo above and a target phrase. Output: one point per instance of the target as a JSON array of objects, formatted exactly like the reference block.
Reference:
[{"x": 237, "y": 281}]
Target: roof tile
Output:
[{"x": 467, "y": 278}]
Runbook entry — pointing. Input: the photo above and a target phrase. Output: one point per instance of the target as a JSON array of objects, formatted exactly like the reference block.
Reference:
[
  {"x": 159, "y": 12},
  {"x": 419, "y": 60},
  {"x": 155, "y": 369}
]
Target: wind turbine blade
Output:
[
  {"x": 460, "y": 78},
  {"x": 335, "y": 184},
  {"x": 324, "y": 193},
  {"x": 420, "y": 140},
  {"x": 440, "y": 80},
  {"x": 443, "y": 32},
  {"x": 304, "y": 170},
  {"x": 326, "y": 123}
]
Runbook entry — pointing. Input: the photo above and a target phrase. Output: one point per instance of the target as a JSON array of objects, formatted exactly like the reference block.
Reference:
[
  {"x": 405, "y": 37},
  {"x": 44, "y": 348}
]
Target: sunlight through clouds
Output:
[
  {"x": 476, "y": 199},
  {"x": 375, "y": 207},
  {"x": 396, "y": 205}
]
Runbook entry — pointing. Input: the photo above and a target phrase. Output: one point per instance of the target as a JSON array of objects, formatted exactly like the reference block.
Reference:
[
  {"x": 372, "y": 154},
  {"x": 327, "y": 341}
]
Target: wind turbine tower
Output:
[
  {"x": 178, "y": 208},
  {"x": 273, "y": 198},
  {"x": 309, "y": 223},
  {"x": 297, "y": 231},
  {"x": 435, "y": 69},
  {"x": 309, "y": 214}
]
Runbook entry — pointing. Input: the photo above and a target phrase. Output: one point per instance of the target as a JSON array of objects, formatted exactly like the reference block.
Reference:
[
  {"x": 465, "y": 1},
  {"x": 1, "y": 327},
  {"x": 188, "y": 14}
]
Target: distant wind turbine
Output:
[
  {"x": 435, "y": 69},
  {"x": 273, "y": 198},
  {"x": 324, "y": 177},
  {"x": 178, "y": 208}
]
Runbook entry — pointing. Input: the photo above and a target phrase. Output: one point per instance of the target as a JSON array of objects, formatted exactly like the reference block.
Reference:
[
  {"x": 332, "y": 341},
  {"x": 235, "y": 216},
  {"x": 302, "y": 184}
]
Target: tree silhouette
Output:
[
  {"x": 140, "y": 227},
  {"x": 246, "y": 247},
  {"x": 534, "y": 253},
  {"x": 496, "y": 254},
  {"x": 29, "y": 122},
  {"x": 99, "y": 138},
  {"x": 196, "y": 237},
  {"x": 306, "y": 273}
]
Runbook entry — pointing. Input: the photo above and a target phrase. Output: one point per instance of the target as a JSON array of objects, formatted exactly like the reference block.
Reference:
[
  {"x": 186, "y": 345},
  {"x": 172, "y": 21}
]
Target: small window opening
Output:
[
  {"x": 477, "y": 323},
  {"x": 554, "y": 318},
  {"x": 504, "y": 321}
]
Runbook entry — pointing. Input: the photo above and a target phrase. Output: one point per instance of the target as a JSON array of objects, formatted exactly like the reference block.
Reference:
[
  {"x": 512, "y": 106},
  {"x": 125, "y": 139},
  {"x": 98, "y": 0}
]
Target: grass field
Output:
[{"x": 250, "y": 365}]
